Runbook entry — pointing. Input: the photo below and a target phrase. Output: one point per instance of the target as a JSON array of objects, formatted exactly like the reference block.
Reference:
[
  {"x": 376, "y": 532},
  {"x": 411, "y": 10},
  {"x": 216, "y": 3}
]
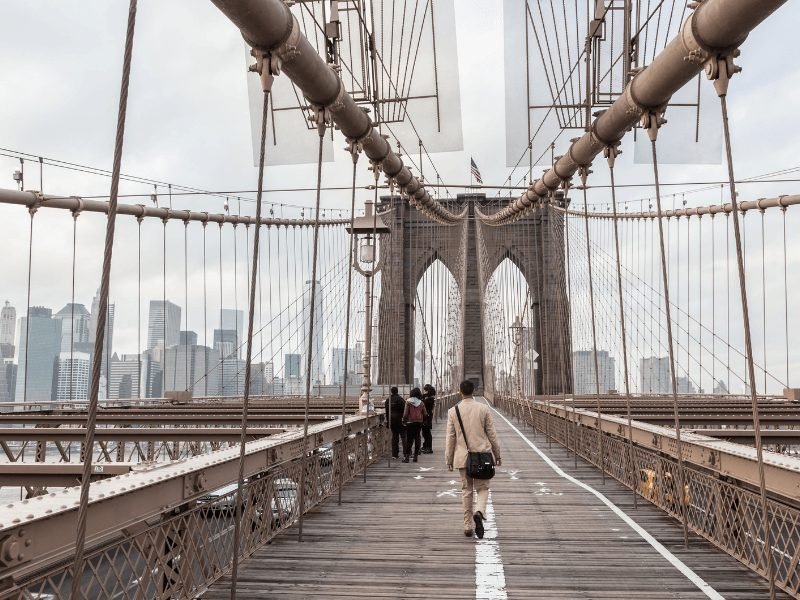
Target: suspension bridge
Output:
[{"x": 636, "y": 353}]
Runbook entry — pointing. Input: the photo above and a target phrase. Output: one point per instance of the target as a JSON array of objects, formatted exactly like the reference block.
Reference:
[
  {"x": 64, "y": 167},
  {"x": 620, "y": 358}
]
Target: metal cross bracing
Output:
[{"x": 603, "y": 330}]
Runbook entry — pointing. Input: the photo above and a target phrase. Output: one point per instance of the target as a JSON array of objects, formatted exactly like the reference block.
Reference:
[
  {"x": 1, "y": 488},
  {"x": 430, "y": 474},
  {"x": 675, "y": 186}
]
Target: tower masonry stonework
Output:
[{"x": 472, "y": 250}]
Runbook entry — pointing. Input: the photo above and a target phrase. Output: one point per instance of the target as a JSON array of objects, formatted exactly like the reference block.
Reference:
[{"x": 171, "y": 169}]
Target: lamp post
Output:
[
  {"x": 516, "y": 330},
  {"x": 368, "y": 228}
]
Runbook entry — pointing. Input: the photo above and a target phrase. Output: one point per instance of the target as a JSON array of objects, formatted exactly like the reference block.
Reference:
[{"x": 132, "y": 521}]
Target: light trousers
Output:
[{"x": 468, "y": 486}]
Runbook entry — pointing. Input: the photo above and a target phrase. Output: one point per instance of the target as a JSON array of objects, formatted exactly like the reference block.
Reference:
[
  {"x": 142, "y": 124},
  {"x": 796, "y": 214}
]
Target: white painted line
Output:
[
  {"x": 673, "y": 560},
  {"x": 490, "y": 578}
]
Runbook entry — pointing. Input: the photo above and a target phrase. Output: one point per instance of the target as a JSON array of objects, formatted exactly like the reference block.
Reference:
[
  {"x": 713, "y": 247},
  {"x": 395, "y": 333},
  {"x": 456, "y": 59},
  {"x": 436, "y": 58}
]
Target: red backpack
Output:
[{"x": 416, "y": 414}]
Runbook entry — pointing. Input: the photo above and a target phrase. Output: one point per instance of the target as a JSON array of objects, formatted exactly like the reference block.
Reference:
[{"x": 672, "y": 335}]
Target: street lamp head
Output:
[{"x": 369, "y": 224}]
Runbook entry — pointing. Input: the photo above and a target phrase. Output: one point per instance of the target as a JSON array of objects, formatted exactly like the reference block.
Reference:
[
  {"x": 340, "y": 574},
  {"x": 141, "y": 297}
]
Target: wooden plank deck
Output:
[{"x": 399, "y": 535}]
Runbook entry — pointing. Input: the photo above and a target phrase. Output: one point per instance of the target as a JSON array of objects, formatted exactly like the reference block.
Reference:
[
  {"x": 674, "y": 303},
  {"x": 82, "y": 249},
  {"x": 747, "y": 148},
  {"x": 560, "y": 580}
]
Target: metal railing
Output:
[
  {"x": 169, "y": 532},
  {"x": 720, "y": 508}
]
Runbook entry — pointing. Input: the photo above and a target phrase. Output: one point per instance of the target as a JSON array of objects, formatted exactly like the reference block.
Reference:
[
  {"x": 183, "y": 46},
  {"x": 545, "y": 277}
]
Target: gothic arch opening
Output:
[
  {"x": 437, "y": 327},
  {"x": 511, "y": 346}
]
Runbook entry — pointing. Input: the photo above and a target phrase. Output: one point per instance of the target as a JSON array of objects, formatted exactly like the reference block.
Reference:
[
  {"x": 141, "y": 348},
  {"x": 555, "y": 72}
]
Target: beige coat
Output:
[{"x": 479, "y": 428}]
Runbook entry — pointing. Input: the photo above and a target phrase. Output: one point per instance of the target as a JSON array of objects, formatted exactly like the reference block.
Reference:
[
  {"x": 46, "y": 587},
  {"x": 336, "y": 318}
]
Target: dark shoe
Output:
[
  {"x": 405, "y": 459},
  {"x": 478, "y": 518},
  {"x": 415, "y": 458},
  {"x": 468, "y": 532}
]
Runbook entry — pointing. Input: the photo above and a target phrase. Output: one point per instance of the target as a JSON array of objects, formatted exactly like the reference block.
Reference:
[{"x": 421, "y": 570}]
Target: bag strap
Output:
[{"x": 463, "y": 433}]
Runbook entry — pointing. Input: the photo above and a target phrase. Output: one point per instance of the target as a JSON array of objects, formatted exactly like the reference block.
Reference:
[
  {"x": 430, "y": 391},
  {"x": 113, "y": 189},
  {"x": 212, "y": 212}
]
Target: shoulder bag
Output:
[{"x": 480, "y": 465}]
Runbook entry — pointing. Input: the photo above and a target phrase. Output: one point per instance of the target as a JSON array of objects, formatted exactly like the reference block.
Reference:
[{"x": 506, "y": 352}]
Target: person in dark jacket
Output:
[
  {"x": 429, "y": 400},
  {"x": 413, "y": 417},
  {"x": 395, "y": 407}
]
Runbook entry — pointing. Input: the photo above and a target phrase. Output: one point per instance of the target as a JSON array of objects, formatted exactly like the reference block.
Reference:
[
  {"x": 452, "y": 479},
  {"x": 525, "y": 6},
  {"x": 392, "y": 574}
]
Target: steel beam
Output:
[
  {"x": 715, "y": 27},
  {"x": 724, "y": 458},
  {"x": 133, "y": 434},
  {"x": 36, "y": 532},
  {"x": 270, "y": 28},
  {"x": 35, "y": 200},
  {"x": 56, "y": 474}
]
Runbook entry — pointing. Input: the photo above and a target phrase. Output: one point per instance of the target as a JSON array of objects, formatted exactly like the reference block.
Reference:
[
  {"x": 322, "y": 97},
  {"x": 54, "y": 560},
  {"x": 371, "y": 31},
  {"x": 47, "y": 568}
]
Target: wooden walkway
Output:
[{"x": 399, "y": 535}]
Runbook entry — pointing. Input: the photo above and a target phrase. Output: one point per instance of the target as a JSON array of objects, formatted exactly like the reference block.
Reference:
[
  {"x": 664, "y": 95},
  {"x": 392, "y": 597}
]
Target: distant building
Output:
[
  {"x": 337, "y": 365},
  {"x": 125, "y": 381},
  {"x": 73, "y": 376},
  {"x": 317, "y": 351},
  {"x": 192, "y": 367},
  {"x": 685, "y": 385},
  {"x": 233, "y": 320},
  {"x": 8, "y": 380},
  {"x": 655, "y": 375},
  {"x": 225, "y": 342},
  {"x": 108, "y": 336},
  {"x": 39, "y": 348},
  {"x": 231, "y": 373},
  {"x": 584, "y": 371},
  {"x": 291, "y": 366},
  {"x": 720, "y": 387},
  {"x": 8, "y": 323},
  {"x": 164, "y": 321},
  {"x": 292, "y": 380},
  {"x": 152, "y": 377},
  {"x": 75, "y": 322},
  {"x": 187, "y": 338}
]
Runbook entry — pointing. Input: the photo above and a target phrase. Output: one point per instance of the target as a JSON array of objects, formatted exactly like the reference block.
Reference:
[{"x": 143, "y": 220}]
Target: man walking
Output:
[
  {"x": 394, "y": 407},
  {"x": 429, "y": 399},
  {"x": 481, "y": 435}
]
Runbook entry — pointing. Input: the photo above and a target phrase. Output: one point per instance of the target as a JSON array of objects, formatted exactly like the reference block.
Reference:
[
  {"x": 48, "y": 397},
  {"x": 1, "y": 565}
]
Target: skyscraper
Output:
[
  {"x": 163, "y": 322},
  {"x": 75, "y": 322},
  {"x": 225, "y": 342},
  {"x": 8, "y": 321},
  {"x": 337, "y": 365},
  {"x": 655, "y": 375},
  {"x": 125, "y": 381},
  {"x": 39, "y": 347},
  {"x": 583, "y": 369},
  {"x": 317, "y": 356},
  {"x": 233, "y": 320},
  {"x": 291, "y": 366},
  {"x": 73, "y": 376},
  {"x": 192, "y": 367},
  {"x": 108, "y": 335}
]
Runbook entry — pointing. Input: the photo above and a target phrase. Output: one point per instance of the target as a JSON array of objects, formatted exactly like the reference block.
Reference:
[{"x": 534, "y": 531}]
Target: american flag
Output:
[{"x": 474, "y": 170}]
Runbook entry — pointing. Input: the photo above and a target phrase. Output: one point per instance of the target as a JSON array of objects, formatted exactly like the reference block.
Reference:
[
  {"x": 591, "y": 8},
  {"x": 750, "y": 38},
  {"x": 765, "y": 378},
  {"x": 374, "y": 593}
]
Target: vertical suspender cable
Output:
[
  {"x": 342, "y": 449},
  {"x": 77, "y": 568},
  {"x": 584, "y": 174},
  {"x": 311, "y": 311},
  {"x": 721, "y": 86},
  {"x": 72, "y": 311},
  {"x": 679, "y": 489},
  {"x": 237, "y": 522},
  {"x": 139, "y": 220},
  {"x": 31, "y": 212},
  {"x": 612, "y": 152},
  {"x": 205, "y": 315}
]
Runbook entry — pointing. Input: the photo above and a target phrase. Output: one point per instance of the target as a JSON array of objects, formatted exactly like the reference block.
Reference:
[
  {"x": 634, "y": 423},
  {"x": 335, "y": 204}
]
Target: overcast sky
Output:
[{"x": 188, "y": 123}]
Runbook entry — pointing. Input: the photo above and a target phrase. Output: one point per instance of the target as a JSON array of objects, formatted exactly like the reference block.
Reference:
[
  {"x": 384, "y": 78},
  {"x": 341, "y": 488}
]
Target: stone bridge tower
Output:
[{"x": 471, "y": 251}]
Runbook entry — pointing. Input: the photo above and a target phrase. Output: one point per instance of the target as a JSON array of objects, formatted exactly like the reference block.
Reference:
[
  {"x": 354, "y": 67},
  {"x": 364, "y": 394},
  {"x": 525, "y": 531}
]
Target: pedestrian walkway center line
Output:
[
  {"x": 673, "y": 560},
  {"x": 490, "y": 578}
]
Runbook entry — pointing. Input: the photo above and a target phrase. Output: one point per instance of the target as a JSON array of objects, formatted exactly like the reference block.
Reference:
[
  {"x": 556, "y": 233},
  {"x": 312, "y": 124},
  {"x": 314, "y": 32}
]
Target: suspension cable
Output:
[
  {"x": 611, "y": 155},
  {"x": 723, "y": 71},
  {"x": 237, "y": 523},
  {"x": 652, "y": 130},
  {"x": 584, "y": 173},
  {"x": 321, "y": 125},
  {"x": 354, "y": 152},
  {"x": 102, "y": 312}
]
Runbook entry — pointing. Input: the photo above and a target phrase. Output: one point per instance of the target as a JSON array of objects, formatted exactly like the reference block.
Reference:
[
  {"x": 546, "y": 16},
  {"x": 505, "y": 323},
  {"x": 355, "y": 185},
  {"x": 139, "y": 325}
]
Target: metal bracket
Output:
[{"x": 720, "y": 68}]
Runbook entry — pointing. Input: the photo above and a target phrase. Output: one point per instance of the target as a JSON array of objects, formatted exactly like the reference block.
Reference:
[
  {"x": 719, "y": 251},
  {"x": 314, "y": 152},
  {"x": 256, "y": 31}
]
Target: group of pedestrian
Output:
[
  {"x": 471, "y": 443},
  {"x": 411, "y": 421}
]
